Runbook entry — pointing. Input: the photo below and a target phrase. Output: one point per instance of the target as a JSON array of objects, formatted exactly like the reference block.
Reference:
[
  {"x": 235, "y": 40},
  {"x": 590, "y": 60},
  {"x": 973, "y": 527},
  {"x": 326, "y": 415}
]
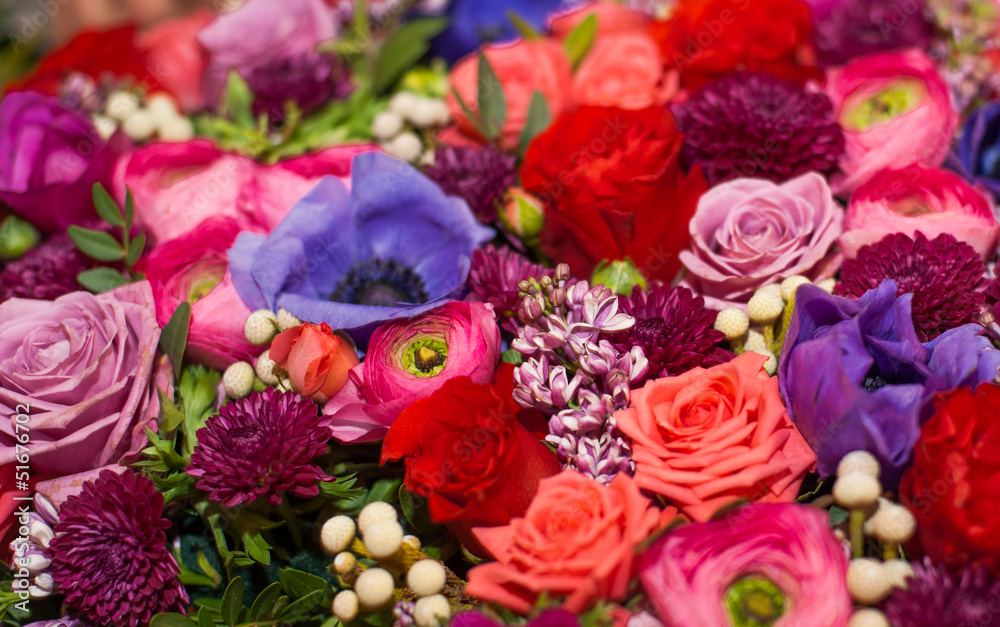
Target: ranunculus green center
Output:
[
  {"x": 426, "y": 357},
  {"x": 754, "y": 602},
  {"x": 899, "y": 98},
  {"x": 201, "y": 289}
]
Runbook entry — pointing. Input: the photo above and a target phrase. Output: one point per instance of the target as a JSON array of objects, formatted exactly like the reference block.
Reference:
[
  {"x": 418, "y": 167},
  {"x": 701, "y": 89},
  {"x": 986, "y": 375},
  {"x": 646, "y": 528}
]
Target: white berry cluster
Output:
[
  {"x": 401, "y": 568},
  {"x": 260, "y": 329},
  {"x": 870, "y": 581},
  {"x": 156, "y": 118},
  {"x": 397, "y": 128},
  {"x": 757, "y": 328}
]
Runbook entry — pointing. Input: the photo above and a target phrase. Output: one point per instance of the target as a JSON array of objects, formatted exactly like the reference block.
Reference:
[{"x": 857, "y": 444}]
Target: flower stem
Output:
[{"x": 858, "y": 532}]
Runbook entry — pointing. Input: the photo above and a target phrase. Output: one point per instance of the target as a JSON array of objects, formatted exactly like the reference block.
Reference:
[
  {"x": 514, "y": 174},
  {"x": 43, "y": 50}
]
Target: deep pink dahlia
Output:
[
  {"x": 755, "y": 125},
  {"x": 673, "y": 328},
  {"x": 110, "y": 557},
  {"x": 45, "y": 272},
  {"x": 261, "y": 446},
  {"x": 944, "y": 275},
  {"x": 479, "y": 175},
  {"x": 936, "y": 596},
  {"x": 494, "y": 276}
]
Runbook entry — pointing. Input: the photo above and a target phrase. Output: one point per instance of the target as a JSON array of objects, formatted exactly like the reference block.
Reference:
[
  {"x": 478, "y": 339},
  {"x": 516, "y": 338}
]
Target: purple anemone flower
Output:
[
  {"x": 393, "y": 246},
  {"x": 877, "y": 379},
  {"x": 977, "y": 157}
]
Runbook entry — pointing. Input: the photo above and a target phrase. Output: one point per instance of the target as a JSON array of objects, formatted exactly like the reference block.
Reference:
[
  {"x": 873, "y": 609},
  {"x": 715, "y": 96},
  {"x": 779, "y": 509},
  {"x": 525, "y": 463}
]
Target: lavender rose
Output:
[
  {"x": 50, "y": 157},
  {"x": 749, "y": 233},
  {"x": 80, "y": 367}
]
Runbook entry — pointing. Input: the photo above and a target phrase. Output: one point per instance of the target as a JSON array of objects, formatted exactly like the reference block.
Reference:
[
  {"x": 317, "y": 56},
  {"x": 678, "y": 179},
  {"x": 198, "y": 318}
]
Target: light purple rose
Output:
[
  {"x": 749, "y": 233},
  {"x": 50, "y": 157},
  {"x": 259, "y": 32},
  {"x": 80, "y": 368}
]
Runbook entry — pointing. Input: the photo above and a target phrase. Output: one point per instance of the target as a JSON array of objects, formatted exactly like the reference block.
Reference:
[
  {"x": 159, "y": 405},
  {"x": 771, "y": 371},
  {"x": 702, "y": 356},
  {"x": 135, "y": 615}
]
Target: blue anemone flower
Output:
[{"x": 392, "y": 247}]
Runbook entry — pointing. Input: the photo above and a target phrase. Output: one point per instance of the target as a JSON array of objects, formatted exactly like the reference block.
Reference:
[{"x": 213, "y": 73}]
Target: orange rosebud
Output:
[{"x": 316, "y": 359}]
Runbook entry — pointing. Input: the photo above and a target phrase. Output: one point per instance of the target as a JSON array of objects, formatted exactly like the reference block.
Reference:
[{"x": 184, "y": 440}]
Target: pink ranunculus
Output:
[
  {"x": 522, "y": 68},
  {"x": 195, "y": 268},
  {"x": 261, "y": 31},
  {"x": 612, "y": 18},
  {"x": 177, "y": 186},
  {"x": 918, "y": 198},
  {"x": 895, "y": 109},
  {"x": 624, "y": 70},
  {"x": 175, "y": 58},
  {"x": 748, "y": 233},
  {"x": 409, "y": 359},
  {"x": 81, "y": 365},
  {"x": 782, "y": 560}
]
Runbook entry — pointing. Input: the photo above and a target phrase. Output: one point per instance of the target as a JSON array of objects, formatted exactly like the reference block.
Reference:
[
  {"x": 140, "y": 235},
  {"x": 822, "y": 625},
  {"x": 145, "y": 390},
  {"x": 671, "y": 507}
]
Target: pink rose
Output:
[
  {"x": 612, "y": 18},
  {"x": 918, "y": 198},
  {"x": 522, "y": 68},
  {"x": 409, "y": 359},
  {"x": 177, "y": 186},
  {"x": 175, "y": 58},
  {"x": 748, "y": 233},
  {"x": 316, "y": 359},
  {"x": 195, "y": 268},
  {"x": 80, "y": 367},
  {"x": 895, "y": 110},
  {"x": 625, "y": 71}
]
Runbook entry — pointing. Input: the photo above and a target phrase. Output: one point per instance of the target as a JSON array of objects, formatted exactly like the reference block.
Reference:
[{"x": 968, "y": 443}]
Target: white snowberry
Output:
[
  {"x": 856, "y": 491},
  {"x": 792, "y": 283},
  {"x": 426, "y": 577},
  {"x": 286, "y": 320},
  {"x": 261, "y": 327},
  {"x": 867, "y": 581},
  {"x": 375, "y": 511},
  {"x": 238, "y": 380},
  {"x": 405, "y": 146},
  {"x": 765, "y": 307},
  {"x": 868, "y": 617},
  {"x": 859, "y": 461},
  {"x": 345, "y": 605},
  {"x": 430, "y": 611},
  {"x": 139, "y": 125},
  {"x": 383, "y": 538},
  {"x": 387, "y": 125},
  {"x": 337, "y": 534},
  {"x": 265, "y": 369},
  {"x": 733, "y": 322},
  {"x": 898, "y": 572},
  {"x": 375, "y": 588}
]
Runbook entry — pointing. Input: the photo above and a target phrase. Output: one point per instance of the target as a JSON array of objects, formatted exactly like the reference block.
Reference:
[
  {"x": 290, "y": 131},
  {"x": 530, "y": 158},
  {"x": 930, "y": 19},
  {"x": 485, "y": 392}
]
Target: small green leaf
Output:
[
  {"x": 471, "y": 116},
  {"x": 416, "y": 512},
  {"x": 257, "y": 547},
  {"x": 129, "y": 207},
  {"x": 173, "y": 339},
  {"x": 96, "y": 244},
  {"x": 492, "y": 103},
  {"x": 170, "y": 416},
  {"x": 538, "y": 120},
  {"x": 526, "y": 30},
  {"x": 172, "y": 620},
  {"x": 239, "y": 100},
  {"x": 384, "y": 490},
  {"x": 205, "y": 618},
  {"x": 135, "y": 248},
  {"x": 341, "y": 488},
  {"x": 265, "y": 601},
  {"x": 100, "y": 280},
  {"x": 579, "y": 42},
  {"x": 298, "y": 583},
  {"x": 232, "y": 602},
  {"x": 838, "y": 515},
  {"x": 106, "y": 206},
  {"x": 403, "y": 49}
]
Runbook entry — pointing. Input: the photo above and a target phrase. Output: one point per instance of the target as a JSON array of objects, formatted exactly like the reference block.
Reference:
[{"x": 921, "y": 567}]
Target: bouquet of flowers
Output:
[{"x": 395, "y": 313}]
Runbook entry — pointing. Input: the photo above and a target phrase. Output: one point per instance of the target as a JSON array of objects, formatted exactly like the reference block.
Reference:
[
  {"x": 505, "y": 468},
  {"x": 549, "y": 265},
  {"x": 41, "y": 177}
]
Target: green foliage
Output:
[
  {"x": 580, "y": 41},
  {"x": 103, "y": 246},
  {"x": 403, "y": 49},
  {"x": 539, "y": 119}
]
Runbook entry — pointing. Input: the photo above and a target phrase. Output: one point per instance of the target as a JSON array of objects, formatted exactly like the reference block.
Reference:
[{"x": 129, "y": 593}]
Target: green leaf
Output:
[
  {"x": 579, "y": 42},
  {"x": 303, "y": 606},
  {"x": 838, "y": 515},
  {"x": 170, "y": 416},
  {"x": 341, "y": 488},
  {"x": 135, "y": 248},
  {"x": 100, "y": 280},
  {"x": 538, "y": 120},
  {"x": 512, "y": 356},
  {"x": 232, "y": 602},
  {"x": 106, "y": 206},
  {"x": 129, "y": 207},
  {"x": 384, "y": 490},
  {"x": 299, "y": 584},
  {"x": 171, "y": 620},
  {"x": 96, "y": 244},
  {"x": 205, "y": 618},
  {"x": 257, "y": 547},
  {"x": 492, "y": 103},
  {"x": 239, "y": 101},
  {"x": 416, "y": 513},
  {"x": 173, "y": 339},
  {"x": 526, "y": 30},
  {"x": 265, "y": 601},
  {"x": 471, "y": 116},
  {"x": 403, "y": 49}
]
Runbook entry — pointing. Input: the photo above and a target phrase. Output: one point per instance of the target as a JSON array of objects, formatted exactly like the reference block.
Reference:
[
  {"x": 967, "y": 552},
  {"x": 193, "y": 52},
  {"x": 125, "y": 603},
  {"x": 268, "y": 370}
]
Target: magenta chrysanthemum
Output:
[
  {"x": 854, "y": 28},
  {"x": 755, "y": 125},
  {"x": 936, "y": 596},
  {"x": 673, "y": 328},
  {"x": 944, "y": 275},
  {"x": 45, "y": 272},
  {"x": 495, "y": 274},
  {"x": 110, "y": 557},
  {"x": 261, "y": 446},
  {"x": 479, "y": 175},
  {"x": 308, "y": 80}
]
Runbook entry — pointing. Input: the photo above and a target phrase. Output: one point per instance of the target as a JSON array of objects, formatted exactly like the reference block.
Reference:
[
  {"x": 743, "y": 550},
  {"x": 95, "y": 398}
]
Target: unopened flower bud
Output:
[
  {"x": 756, "y": 342},
  {"x": 893, "y": 523},
  {"x": 899, "y": 572},
  {"x": 733, "y": 322},
  {"x": 428, "y": 113},
  {"x": 412, "y": 542},
  {"x": 265, "y": 369},
  {"x": 792, "y": 283},
  {"x": 765, "y": 307},
  {"x": 17, "y": 236},
  {"x": 430, "y": 611},
  {"x": 345, "y": 605},
  {"x": 177, "y": 129},
  {"x": 562, "y": 272},
  {"x": 868, "y": 617},
  {"x": 426, "y": 577},
  {"x": 121, "y": 104},
  {"x": 403, "y": 102},
  {"x": 867, "y": 581},
  {"x": 337, "y": 534},
  {"x": 376, "y": 511},
  {"x": 375, "y": 588},
  {"x": 856, "y": 491},
  {"x": 859, "y": 461},
  {"x": 139, "y": 125},
  {"x": 387, "y": 125},
  {"x": 523, "y": 214},
  {"x": 105, "y": 126},
  {"x": 383, "y": 538},
  {"x": 261, "y": 327},
  {"x": 406, "y": 147},
  {"x": 286, "y": 320},
  {"x": 344, "y": 563},
  {"x": 827, "y": 285},
  {"x": 238, "y": 380},
  {"x": 619, "y": 276}
]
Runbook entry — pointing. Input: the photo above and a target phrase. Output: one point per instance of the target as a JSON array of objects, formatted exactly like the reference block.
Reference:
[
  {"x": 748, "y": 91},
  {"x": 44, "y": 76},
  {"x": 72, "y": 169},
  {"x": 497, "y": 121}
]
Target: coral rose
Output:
[
  {"x": 522, "y": 69},
  {"x": 708, "y": 438},
  {"x": 624, "y": 70},
  {"x": 316, "y": 359},
  {"x": 578, "y": 539},
  {"x": 176, "y": 58}
]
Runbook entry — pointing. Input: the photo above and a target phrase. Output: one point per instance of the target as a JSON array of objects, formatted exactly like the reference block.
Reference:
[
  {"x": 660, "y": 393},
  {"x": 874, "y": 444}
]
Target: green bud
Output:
[
  {"x": 17, "y": 237},
  {"x": 620, "y": 276},
  {"x": 754, "y": 602},
  {"x": 523, "y": 215}
]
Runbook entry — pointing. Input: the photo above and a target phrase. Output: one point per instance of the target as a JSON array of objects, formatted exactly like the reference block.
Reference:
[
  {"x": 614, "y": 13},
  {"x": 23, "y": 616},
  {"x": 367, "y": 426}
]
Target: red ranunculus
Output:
[
  {"x": 613, "y": 188},
  {"x": 951, "y": 487},
  {"x": 468, "y": 453},
  {"x": 709, "y": 39}
]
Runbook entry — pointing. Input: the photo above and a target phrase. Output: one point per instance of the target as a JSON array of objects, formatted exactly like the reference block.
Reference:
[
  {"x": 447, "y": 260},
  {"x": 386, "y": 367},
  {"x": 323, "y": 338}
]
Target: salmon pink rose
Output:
[
  {"x": 409, "y": 359},
  {"x": 624, "y": 70},
  {"x": 578, "y": 540},
  {"x": 522, "y": 68},
  {"x": 895, "y": 109},
  {"x": 709, "y": 438},
  {"x": 918, "y": 198},
  {"x": 316, "y": 359}
]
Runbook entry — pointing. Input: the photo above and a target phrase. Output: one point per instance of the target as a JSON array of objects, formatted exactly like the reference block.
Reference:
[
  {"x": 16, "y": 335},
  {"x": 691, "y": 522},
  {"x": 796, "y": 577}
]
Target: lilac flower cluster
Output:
[
  {"x": 44, "y": 518},
  {"x": 574, "y": 373}
]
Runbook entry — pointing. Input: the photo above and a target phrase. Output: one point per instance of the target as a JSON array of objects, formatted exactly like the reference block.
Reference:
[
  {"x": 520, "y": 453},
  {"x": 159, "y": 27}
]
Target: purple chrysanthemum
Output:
[
  {"x": 495, "y": 275},
  {"x": 479, "y": 175},
  {"x": 308, "y": 80},
  {"x": 673, "y": 328},
  {"x": 936, "y": 596},
  {"x": 45, "y": 272},
  {"x": 755, "y": 125},
  {"x": 261, "y": 446},
  {"x": 110, "y": 557},
  {"x": 855, "y": 28},
  {"x": 944, "y": 275}
]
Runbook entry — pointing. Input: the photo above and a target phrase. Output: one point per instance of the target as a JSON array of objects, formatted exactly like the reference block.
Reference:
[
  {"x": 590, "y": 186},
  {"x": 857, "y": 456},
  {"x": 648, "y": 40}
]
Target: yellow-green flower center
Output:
[
  {"x": 200, "y": 290},
  {"x": 898, "y": 99},
  {"x": 426, "y": 357},
  {"x": 754, "y": 602}
]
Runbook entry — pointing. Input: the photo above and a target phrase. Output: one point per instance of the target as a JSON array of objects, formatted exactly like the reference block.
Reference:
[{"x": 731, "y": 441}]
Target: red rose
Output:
[
  {"x": 709, "y": 39},
  {"x": 467, "y": 453},
  {"x": 951, "y": 487},
  {"x": 613, "y": 188}
]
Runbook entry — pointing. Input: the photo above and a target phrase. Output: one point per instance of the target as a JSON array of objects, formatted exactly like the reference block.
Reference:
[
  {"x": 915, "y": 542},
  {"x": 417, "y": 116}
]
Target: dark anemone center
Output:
[
  {"x": 648, "y": 331},
  {"x": 114, "y": 560},
  {"x": 382, "y": 283},
  {"x": 244, "y": 439},
  {"x": 875, "y": 379}
]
